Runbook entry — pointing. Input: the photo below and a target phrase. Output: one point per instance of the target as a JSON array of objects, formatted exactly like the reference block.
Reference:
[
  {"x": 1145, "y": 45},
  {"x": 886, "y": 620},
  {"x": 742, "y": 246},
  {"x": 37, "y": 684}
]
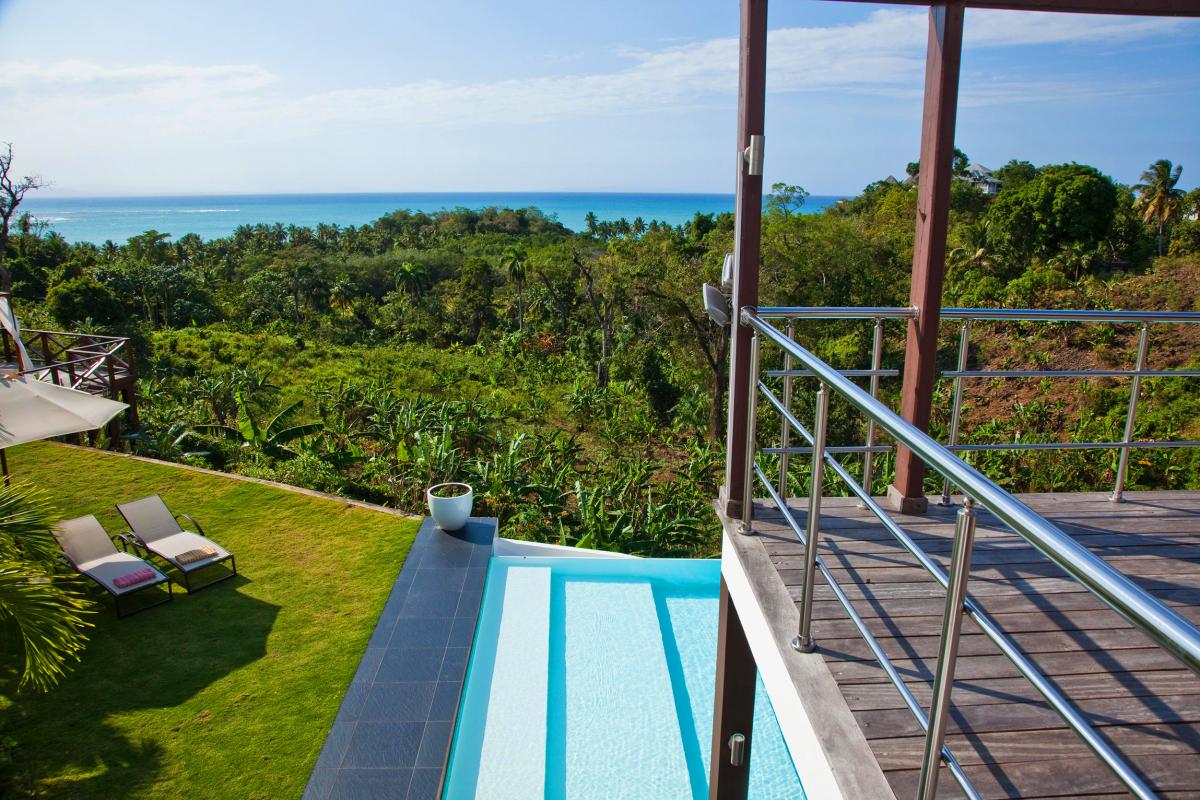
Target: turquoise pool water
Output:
[{"x": 593, "y": 679}]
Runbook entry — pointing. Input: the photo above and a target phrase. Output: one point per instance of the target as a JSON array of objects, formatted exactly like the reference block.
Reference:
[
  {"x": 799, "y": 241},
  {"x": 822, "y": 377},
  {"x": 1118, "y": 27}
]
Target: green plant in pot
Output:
[{"x": 450, "y": 504}]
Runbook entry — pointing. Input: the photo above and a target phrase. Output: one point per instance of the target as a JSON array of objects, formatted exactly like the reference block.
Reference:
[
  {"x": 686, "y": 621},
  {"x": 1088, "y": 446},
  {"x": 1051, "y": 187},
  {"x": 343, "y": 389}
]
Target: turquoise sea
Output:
[{"x": 97, "y": 219}]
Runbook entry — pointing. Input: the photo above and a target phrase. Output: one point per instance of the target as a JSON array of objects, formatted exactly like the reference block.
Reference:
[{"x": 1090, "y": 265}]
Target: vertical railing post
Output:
[
  {"x": 964, "y": 341},
  {"x": 785, "y": 431},
  {"x": 876, "y": 363},
  {"x": 1131, "y": 414},
  {"x": 747, "y": 526},
  {"x": 804, "y": 640},
  {"x": 943, "y": 679},
  {"x": 46, "y": 358}
]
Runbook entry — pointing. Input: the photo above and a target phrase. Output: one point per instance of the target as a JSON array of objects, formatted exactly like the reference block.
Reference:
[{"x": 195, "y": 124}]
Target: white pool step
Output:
[
  {"x": 616, "y": 725},
  {"x": 512, "y": 762}
]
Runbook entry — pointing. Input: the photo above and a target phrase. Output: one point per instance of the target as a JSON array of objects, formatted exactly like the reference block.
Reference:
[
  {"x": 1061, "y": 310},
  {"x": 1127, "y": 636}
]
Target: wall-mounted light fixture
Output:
[{"x": 716, "y": 304}]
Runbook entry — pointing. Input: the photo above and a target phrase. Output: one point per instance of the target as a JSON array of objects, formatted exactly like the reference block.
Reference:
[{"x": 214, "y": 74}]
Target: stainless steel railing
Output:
[
  {"x": 1160, "y": 623},
  {"x": 966, "y": 317}
]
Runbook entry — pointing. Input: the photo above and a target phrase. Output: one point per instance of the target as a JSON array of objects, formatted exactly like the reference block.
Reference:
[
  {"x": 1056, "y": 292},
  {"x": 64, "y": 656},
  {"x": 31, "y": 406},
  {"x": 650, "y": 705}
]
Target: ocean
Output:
[{"x": 98, "y": 219}]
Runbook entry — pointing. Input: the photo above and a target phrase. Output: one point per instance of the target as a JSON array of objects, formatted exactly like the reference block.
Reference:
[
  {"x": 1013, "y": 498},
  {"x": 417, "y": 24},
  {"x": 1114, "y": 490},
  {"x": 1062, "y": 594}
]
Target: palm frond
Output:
[
  {"x": 25, "y": 514},
  {"x": 49, "y": 617},
  {"x": 296, "y": 432},
  {"x": 282, "y": 418}
]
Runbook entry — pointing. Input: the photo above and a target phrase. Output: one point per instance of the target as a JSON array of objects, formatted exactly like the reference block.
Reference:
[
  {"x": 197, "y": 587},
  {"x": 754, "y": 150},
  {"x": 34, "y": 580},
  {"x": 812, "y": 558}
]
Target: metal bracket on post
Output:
[
  {"x": 943, "y": 679},
  {"x": 737, "y": 749},
  {"x": 753, "y": 155}
]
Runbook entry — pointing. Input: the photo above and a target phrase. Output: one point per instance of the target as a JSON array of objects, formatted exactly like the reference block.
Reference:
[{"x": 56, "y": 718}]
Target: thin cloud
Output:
[
  {"x": 882, "y": 54},
  {"x": 75, "y": 73}
]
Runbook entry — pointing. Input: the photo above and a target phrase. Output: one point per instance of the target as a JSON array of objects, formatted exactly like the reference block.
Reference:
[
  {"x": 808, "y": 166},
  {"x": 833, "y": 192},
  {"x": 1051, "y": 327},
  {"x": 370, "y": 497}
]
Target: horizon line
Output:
[{"x": 481, "y": 192}]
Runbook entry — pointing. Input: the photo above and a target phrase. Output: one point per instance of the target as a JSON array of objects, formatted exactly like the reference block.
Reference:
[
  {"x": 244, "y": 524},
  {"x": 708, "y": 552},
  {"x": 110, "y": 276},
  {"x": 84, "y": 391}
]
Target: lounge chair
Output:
[
  {"x": 156, "y": 530},
  {"x": 91, "y": 552}
]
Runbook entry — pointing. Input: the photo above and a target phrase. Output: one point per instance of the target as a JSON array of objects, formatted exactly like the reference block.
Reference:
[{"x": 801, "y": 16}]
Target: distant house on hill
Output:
[{"x": 983, "y": 179}]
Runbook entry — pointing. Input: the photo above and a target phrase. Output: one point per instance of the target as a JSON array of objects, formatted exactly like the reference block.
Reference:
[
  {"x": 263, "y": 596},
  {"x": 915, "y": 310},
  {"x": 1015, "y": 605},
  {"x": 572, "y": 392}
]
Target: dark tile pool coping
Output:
[{"x": 391, "y": 736}]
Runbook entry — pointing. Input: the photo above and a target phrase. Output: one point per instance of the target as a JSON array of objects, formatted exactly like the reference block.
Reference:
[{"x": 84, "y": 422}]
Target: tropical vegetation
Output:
[
  {"x": 227, "y": 692},
  {"x": 572, "y": 377}
]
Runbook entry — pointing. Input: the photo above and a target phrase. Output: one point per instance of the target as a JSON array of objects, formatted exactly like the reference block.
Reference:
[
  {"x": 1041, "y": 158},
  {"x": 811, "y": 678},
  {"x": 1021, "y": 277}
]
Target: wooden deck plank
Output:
[
  {"x": 1045, "y": 745},
  {"x": 1053, "y": 665},
  {"x": 1043, "y": 779},
  {"x": 1008, "y": 739},
  {"x": 1182, "y": 574},
  {"x": 867, "y": 696},
  {"x": 1028, "y": 716}
]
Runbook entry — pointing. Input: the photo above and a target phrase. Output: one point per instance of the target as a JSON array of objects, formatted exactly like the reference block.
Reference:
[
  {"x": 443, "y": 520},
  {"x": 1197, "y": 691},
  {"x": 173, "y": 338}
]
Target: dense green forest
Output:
[{"x": 573, "y": 379}]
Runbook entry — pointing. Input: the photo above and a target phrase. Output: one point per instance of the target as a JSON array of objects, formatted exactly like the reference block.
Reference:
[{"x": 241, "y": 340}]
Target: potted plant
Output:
[{"x": 450, "y": 504}]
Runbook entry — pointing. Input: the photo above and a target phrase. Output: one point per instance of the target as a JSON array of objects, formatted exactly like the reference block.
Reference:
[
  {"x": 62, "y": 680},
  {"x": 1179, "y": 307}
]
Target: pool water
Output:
[{"x": 593, "y": 679}]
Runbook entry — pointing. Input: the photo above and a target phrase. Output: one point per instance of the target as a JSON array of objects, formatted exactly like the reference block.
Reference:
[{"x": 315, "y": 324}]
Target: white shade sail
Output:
[{"x": 31, "y": 410}]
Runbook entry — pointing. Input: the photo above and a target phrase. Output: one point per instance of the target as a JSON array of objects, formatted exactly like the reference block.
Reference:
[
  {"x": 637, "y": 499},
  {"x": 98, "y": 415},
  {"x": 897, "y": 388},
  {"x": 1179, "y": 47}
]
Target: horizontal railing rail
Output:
[
  {"x": 960, "y": 375},
  {"x": 1163, "y": 625},
  {"x": 78, "y": 360},
  {"x": 991, "y": 314}
]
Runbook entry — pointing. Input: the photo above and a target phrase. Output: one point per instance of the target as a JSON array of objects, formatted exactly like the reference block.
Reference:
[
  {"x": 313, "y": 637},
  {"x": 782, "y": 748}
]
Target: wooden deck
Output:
[{"x": 1009, "y": 742}]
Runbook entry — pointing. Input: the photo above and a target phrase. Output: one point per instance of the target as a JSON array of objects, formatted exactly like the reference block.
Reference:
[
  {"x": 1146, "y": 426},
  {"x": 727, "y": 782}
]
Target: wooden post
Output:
[
  {"x": 752, "y": 87},
  {"x": 733, "y": 712},
  {"x": 929, "y": 250}
]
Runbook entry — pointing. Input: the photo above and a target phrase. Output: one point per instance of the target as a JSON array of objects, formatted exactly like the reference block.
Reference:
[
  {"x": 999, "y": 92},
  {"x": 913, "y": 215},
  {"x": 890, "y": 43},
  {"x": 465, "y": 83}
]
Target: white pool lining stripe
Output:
[{"x": 516, "y": 714}]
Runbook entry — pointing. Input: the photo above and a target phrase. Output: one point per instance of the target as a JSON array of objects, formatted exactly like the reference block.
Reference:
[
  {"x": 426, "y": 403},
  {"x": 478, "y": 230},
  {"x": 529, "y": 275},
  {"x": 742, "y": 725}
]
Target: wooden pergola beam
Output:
[
  {"x": 942, "y": 62},
  {"x": 1138, "y": 8}
]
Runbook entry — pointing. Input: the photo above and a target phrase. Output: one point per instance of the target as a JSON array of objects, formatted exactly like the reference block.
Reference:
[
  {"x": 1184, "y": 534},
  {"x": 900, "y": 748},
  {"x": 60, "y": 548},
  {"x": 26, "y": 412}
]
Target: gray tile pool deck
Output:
[{"x": 391, "y": 736}]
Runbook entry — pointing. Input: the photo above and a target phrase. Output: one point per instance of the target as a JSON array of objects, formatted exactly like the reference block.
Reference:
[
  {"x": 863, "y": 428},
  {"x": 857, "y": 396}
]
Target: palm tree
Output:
[
  {"x": 411, "y": 277},
  {"x": 342, "y": 294},
  {"x": 515, "y": 263},
  {"x": 1160, "y": 202},
  {"x": 47, "y": 613}
]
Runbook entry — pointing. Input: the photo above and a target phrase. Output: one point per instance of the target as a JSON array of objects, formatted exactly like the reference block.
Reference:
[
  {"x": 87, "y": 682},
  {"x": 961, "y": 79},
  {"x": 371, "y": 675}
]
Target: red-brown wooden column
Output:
[
  {"x": 929, "y": 250},
  {"x": 733, "y": 705},
  {"x": 752, "y": 87},
  {"x": 733, "y": 713}
]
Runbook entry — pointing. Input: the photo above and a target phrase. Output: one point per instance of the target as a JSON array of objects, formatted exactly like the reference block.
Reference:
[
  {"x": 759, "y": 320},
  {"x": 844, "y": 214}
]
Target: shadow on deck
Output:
[{"x": 1009, "y": 741}]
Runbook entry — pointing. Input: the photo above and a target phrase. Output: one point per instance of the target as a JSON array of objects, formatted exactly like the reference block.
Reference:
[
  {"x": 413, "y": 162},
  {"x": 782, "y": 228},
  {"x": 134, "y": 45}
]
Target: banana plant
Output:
[{"x": 270, "y": 439}]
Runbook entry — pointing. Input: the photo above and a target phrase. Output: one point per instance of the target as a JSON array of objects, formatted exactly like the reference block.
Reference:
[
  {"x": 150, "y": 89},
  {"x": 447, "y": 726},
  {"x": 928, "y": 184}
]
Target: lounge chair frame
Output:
[
  {"x": 116, "y": 596},
  {"x": 132, "y": 539}
]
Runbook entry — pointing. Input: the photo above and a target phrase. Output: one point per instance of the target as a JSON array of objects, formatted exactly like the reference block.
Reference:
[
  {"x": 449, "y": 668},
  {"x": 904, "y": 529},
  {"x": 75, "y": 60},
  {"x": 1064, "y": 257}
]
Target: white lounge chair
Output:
[
  {"x": 156, "y": 530},
  {"x": 91, "y": 552}
]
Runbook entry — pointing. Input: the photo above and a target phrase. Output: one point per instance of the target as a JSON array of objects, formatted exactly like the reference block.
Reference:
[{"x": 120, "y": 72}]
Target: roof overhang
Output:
[{"x": 1140, "y": 8}]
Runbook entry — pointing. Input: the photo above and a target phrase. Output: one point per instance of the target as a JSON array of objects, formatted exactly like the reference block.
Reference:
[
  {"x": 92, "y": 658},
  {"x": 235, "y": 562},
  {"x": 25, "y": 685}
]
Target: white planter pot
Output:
[{"x": 450, "y": 513}]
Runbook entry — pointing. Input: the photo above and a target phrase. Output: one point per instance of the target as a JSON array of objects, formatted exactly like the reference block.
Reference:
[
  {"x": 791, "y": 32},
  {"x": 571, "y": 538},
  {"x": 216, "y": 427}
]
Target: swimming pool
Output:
[{"x": 593, "y": 679}]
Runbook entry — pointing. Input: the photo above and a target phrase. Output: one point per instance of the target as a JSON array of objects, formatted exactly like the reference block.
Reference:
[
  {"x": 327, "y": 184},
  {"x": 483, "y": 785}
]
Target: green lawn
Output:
[{"x": 224, "y": 694}]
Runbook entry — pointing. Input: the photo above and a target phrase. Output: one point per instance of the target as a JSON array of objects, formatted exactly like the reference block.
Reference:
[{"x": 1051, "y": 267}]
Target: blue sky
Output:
[{"x": 149, "y": 97}]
